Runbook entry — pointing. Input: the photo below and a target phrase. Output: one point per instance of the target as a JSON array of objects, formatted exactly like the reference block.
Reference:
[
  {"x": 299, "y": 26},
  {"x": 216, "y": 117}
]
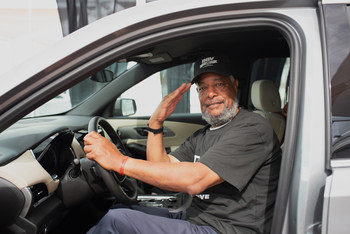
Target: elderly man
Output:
[{"x": 232, "y": 165}]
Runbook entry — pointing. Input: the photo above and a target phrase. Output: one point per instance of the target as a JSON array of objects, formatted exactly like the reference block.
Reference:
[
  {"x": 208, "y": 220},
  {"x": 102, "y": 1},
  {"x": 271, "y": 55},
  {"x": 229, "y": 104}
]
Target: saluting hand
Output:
[{"x": 168, "y": 105}]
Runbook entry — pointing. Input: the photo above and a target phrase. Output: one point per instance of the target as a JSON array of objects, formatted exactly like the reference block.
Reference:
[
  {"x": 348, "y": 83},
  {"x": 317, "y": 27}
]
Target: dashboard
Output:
[
  {"x": 55, "y": 154},
  {"x": 35, "y": 155},
  {"x": 32, "y": 132}
]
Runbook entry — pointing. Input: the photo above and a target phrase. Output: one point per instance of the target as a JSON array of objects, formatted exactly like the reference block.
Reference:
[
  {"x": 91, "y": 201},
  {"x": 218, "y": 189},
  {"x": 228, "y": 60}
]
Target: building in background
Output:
[
  {"x": 29, "y": 26},
  {"x": 75, "y": 14},
  {"x": 26, "y": 28}
]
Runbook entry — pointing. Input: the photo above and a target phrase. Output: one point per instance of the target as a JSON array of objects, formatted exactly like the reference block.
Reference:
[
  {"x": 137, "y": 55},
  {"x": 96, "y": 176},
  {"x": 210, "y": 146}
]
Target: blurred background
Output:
[{"x": 29, "y": 26}]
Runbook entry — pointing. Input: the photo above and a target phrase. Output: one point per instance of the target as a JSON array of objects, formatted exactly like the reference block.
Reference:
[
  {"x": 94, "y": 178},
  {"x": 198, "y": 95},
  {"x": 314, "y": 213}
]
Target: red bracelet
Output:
[{"x": 121, "y": 170}]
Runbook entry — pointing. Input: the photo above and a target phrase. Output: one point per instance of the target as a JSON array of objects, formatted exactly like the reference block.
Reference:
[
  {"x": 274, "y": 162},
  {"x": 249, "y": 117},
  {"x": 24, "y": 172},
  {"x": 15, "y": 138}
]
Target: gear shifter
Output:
[{"x": 75, "y": 172}]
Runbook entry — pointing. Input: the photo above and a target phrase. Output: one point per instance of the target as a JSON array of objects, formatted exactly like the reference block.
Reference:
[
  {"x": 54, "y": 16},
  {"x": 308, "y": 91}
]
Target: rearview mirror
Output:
[
  {"x": 103, "y": 76},
  {"x": 124, "y": 107}
]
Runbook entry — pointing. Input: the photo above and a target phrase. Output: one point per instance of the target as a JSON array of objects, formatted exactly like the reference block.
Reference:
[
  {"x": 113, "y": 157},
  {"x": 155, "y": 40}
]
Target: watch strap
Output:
[{"x": 154, "y": 131}]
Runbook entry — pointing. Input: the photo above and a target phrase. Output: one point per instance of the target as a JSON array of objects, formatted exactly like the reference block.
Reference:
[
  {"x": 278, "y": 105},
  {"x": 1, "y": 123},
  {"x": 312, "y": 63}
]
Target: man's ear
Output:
[
  {"x": 236, "y": 83},
  {"x": 237, "y": 90}
]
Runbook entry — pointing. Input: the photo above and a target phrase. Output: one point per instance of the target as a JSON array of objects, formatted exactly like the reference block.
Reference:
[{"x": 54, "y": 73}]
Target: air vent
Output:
[{"x": 39, "y": 191}]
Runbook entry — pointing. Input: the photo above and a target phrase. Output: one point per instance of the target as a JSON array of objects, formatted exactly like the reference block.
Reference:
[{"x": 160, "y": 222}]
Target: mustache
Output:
[{"x": 213, "y": 101}]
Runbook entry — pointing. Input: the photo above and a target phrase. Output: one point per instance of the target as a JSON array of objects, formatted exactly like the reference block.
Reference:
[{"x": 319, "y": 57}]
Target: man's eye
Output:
[
  {"x": 202, "y": 89},
  {"x": 219, "y": 84}
]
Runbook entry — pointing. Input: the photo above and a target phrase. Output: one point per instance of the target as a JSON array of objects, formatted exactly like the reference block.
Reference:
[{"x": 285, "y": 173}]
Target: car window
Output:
[
  {"x": 338, "y": 49},
  {"x": 83, "y": 90},
  {"x": 148, "y": 93},
  {"x": 339, "y": 60}
]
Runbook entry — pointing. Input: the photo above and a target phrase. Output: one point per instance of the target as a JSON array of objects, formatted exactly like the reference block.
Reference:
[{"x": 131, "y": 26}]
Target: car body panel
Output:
[
  {"x": 309, "y": 172},
  {"x": 336, "y": 203}
]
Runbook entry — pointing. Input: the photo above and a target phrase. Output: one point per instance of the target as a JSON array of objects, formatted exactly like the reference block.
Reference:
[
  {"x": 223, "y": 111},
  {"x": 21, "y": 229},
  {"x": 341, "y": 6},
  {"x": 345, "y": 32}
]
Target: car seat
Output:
[{"x": 266, "y": 99}]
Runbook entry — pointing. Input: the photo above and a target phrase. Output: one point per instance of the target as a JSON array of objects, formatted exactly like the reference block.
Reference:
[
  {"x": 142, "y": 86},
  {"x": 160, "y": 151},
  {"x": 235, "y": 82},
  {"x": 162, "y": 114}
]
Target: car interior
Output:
[{"x": 46, "y": 181}]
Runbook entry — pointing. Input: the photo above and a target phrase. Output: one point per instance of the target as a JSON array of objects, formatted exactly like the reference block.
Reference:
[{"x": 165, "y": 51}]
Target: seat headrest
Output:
[{"x": 265, "y": 96}]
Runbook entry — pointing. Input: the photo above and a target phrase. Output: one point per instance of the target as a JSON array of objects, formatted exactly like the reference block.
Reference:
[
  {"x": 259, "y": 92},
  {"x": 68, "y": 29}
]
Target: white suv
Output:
[{"x": 110, "y": 67}]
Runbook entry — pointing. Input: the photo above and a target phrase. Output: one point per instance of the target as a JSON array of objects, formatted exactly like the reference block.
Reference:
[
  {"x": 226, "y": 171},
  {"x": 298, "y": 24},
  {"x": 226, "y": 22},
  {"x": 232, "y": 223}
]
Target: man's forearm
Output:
[
  {"x": 155, "y": 148},
  {"x": 155, "y": 145},
  {"x": 186, "y": 177}
]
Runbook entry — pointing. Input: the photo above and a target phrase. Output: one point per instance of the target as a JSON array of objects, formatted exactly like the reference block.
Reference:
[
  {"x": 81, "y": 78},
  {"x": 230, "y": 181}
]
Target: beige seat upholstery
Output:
[{"x": 266, "y": 99}]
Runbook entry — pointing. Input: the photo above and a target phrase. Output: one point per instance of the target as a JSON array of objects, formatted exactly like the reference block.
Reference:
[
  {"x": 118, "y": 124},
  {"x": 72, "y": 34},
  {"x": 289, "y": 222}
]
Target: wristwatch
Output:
[{"x": 154, "y": 131}]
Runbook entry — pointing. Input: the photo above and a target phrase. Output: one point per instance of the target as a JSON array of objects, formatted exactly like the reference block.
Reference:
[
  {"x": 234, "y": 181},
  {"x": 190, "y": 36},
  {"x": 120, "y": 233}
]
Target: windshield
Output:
[{"x": 82, "y": 91}]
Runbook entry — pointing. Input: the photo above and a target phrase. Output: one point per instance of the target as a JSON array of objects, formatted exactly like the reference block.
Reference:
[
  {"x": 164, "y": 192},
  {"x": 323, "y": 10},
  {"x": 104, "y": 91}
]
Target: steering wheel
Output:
[{"x": 124, "y": 188}]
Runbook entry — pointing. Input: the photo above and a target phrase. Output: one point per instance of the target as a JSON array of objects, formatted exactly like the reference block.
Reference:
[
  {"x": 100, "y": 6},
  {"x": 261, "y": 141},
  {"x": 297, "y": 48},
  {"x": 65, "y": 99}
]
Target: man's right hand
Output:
[
  {"x": 167, "y": 106},
  {"x": 155, "y": 146}
]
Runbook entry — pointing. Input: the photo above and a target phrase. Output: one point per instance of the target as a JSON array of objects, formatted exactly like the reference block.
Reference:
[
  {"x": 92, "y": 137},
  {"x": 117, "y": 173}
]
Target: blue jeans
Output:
[{"x": 147, "y": 220}]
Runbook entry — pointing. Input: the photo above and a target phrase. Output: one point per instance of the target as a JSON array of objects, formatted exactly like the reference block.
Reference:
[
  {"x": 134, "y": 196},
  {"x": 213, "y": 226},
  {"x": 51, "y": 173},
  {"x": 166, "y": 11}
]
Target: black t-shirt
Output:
[{"x": 246, "y": 154}]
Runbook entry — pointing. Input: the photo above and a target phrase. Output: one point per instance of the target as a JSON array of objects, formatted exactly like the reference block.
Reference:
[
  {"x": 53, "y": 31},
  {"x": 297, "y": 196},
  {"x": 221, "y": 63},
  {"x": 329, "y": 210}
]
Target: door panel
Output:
[
  {"x": 336, "y": 214},
  {"x": 175, "y": 133}
]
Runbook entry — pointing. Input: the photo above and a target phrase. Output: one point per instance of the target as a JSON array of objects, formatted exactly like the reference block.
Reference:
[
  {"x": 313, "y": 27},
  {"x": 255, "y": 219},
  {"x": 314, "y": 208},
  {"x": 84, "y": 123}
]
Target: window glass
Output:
[
  {"x": 337, "y": 23},
  {"x": 337, "y": 28},
  {"x": 148, "y": 93},
  {"x": 82, "y": 91}
]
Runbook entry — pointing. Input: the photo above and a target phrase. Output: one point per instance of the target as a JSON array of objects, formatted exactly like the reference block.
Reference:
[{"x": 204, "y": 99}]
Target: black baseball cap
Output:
[{"x": 216, "y": 63}]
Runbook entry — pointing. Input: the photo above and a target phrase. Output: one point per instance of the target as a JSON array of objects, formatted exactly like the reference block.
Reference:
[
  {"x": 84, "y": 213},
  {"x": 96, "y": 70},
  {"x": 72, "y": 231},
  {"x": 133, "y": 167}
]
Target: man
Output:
[{"x": 232, "y": 165}]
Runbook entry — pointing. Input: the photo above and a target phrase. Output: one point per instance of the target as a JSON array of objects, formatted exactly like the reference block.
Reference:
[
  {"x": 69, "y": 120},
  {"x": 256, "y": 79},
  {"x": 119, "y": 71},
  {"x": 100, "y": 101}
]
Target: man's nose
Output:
[{"x": 212, "y": 92}]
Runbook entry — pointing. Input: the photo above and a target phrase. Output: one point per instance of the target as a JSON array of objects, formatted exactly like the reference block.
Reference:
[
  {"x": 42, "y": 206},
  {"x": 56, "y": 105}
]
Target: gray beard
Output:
[{"x": 226, "y": 115}]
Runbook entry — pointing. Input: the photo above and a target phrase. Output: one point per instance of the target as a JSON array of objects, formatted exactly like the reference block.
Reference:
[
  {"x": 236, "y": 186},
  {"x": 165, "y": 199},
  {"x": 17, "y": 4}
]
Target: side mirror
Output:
[
  {"x": 103, "y": 76},
  {"x": 124, "y": 107}
]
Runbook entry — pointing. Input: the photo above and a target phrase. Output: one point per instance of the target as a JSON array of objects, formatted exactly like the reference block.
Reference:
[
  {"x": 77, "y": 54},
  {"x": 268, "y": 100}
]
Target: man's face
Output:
[{"x": 216, "y": 93}]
